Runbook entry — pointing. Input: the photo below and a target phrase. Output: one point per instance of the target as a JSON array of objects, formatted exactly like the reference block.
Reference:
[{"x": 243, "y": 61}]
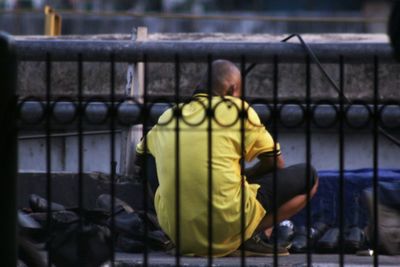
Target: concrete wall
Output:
[
  {"x": 358, "y": 78},
  {"x": 358, "y": 152},
  {"x": 96, "y": 154}
]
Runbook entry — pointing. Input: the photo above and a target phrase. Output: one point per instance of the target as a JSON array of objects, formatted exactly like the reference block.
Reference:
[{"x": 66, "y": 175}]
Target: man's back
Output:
[{"x": 198, "y": 146}]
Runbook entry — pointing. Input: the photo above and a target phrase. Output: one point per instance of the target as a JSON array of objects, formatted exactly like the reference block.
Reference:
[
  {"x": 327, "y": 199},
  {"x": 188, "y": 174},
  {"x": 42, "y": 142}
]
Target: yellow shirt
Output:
[{"x": 193, "y": 173}]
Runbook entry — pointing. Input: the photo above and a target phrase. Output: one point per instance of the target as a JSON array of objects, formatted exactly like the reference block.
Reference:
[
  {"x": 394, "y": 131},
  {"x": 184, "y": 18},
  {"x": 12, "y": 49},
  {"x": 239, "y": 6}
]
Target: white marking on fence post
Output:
[{"x": 134, "y": 88}]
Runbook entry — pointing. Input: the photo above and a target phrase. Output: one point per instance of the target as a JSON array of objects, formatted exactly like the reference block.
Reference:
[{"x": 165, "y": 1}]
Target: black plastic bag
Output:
[
  {"x": 80, "y": 243},
  {"x": 388, "y": 217}
]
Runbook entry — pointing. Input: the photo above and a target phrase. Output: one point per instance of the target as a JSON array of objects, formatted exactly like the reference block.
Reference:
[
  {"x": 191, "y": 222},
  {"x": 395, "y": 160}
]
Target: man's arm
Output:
[
  {"x": 138, "y": 166},
  {"x": 266, "y": 164},
  {"x": 139, "y": 162}
]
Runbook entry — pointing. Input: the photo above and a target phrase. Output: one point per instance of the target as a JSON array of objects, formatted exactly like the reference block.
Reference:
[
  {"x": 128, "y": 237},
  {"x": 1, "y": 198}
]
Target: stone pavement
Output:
[{"x": 160, "y": 259}]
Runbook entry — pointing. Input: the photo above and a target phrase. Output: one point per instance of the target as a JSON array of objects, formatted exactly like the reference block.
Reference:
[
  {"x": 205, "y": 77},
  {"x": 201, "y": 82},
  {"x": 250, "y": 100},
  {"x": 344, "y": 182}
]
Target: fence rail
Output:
[
  {"x": 32, "y": 114},
  {"x": 126, "y": 51}
]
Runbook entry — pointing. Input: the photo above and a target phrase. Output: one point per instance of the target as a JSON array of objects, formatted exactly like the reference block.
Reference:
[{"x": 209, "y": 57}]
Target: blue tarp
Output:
[{"x": 325, "y": 204}]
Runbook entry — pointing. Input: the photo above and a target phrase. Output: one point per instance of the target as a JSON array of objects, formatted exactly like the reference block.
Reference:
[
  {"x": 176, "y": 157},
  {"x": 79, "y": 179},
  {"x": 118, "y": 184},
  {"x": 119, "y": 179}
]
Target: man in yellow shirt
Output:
[{"x": 192, "y": 148}]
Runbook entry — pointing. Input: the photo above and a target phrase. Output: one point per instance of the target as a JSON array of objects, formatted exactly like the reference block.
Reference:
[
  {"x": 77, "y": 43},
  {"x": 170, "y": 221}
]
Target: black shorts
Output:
[{"x": 290, "y": 182}]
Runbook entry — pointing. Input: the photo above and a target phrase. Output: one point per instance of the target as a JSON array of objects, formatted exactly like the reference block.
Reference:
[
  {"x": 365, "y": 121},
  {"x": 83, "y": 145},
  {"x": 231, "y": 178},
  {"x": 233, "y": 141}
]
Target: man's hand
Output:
[{"x": 266, "y": 164}]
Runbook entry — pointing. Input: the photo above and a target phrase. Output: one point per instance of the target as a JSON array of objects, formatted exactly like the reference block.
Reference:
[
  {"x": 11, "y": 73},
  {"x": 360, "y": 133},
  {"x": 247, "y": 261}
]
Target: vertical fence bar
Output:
[
  {"x": 274, "y": 182},
  {"x": 80, "y": 158},
  {"x": 341, "y": 162},
  {"x": 113, "y": 164},
  {"x": 308, "y": 157},
  {"x": 209, "y": 156},
  {"x": 242, "y": 157},
  {"x": 145, "y": 117},
  {"x": 375, "y": 159},
  {"x": 177, "y": 159},
  {"x": 8, "y": 149},
  {"x": 48, "y": 153}
]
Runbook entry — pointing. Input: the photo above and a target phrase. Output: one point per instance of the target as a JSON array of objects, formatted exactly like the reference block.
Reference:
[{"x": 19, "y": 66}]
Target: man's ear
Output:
[{"x": 230, "y": 90}]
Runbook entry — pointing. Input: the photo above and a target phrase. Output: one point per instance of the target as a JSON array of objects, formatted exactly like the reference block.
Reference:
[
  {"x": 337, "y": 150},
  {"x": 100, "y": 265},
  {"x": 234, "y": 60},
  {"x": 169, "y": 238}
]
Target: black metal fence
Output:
[{"x": 118, "y": 113}]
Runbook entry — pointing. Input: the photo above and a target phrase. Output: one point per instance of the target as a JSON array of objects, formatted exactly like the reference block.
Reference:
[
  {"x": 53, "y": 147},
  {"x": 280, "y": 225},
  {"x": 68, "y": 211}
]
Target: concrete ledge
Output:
[{"x": 160, "y": 259}]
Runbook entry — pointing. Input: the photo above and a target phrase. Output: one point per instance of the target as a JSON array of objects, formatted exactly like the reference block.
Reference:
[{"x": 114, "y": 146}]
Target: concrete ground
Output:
[{"x": 160, "y": 259}]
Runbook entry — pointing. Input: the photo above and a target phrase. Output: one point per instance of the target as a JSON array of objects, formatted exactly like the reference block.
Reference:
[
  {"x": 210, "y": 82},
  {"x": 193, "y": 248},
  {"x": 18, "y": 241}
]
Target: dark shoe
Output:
[
  {"x": 59, "y": 219},
  {"x": 318, "y": 229},
  {"x": 365, "y": 252},
  {"x": 39, "y": 204},
  {"x": 329, "y": 241},
  {"x": 30, "y": 228},
  {"x": 284, "y": 233},
  {"x": 129, "y": 224},
  {"x": 158, "y": 240},
  {"x": 256, "y": 246},
  {"x": 299, "y": 241},
  {"x": 354, "y": 239},
  {"x": 27, "y": 222},
  {"x": 104, "y": 202}
]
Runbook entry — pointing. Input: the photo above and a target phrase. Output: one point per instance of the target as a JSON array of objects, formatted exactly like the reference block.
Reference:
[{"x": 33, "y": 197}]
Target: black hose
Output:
[
  {"x": 309, "y": 51},
  {"x": 394, "y": 29}
]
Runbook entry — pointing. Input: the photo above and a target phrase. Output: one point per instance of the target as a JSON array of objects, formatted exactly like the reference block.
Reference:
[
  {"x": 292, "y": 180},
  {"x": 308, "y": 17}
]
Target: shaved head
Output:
[{"x": 226, "y": 78}]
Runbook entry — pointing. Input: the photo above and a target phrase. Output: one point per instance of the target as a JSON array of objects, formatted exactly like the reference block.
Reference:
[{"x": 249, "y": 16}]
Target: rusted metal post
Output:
[{"x": 52, "y": 22}]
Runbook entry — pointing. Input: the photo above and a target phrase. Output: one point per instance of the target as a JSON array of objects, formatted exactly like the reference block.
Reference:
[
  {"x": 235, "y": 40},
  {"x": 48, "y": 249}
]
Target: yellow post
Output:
[{"x": 52, "y": 22}]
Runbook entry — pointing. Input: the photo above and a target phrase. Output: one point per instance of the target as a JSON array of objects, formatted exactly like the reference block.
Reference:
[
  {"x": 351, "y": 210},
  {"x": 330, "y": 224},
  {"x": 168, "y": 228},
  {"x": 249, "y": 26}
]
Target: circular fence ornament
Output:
[
  {"x": 64, "y": 110},
  {"x": 33, "y": 111}
]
